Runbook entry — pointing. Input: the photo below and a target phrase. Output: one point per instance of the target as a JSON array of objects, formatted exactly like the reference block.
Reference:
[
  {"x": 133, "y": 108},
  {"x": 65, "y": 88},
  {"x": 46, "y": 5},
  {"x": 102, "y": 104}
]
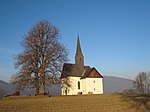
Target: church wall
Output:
[
  {"x": 87, "y": 86},
  {"x": 72, "y": 89},
  {"x": 84, "y": 86},
  {"x": 93, "y": 86}
]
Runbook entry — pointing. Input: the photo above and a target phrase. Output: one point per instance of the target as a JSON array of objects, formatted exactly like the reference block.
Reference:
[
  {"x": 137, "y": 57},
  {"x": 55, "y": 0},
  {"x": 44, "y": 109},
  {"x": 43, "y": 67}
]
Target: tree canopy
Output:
[{"x": 41, "y": 59}]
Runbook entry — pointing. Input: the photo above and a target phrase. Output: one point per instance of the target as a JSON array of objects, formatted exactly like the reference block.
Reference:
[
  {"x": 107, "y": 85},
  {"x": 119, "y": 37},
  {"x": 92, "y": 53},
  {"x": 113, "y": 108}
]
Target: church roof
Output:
[
  {"x": 89, "y": 71},
  {"x": 72, "y": 70}
]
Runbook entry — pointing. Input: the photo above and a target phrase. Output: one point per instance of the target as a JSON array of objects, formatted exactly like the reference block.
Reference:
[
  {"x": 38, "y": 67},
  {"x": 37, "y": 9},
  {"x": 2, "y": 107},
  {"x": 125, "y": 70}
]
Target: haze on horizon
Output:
[{"x": 114, "y": 35}]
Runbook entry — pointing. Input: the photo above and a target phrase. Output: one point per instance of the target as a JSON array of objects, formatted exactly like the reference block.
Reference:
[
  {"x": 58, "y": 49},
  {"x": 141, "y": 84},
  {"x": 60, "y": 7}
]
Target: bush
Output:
[
  {"x": 16, "y": 93},
  {"x": 129, "y": 91}
]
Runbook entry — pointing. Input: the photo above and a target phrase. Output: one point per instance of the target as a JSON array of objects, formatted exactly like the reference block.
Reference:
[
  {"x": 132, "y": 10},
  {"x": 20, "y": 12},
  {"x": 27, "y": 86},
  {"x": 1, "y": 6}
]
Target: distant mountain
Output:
[
  {"x": 116, "y": 84},
  {"x": 53, "y": 89},
  {"x": 6, "y": 87},
  {"x": 111, "y": 85}
]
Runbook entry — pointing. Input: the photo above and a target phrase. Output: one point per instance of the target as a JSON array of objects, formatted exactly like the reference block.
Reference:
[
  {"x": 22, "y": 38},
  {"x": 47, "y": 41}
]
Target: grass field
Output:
[{"x": 87, "y": 103}]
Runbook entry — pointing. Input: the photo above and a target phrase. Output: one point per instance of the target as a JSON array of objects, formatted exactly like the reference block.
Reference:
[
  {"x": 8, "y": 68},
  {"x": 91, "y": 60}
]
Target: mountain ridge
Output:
[
  {"x": 111, "y": 84},
  {"x": 114, "y": 84}
]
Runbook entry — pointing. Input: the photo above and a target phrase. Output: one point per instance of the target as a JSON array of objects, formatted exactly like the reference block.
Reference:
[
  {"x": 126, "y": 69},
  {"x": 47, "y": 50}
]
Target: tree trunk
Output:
[
  {"x": 36, "y": 75},
  {"x": 42, "y": 92},
  {"x": 42, "y": 89},
  {"x": 36, "y": 84}
]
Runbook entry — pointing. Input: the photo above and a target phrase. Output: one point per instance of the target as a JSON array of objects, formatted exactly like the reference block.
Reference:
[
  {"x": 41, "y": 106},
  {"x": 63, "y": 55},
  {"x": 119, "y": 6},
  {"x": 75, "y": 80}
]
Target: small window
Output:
[
  {"x": 94, "y": 89},
  {"x": 94, "y": 81},
  {"x": 78, "y": 85}
]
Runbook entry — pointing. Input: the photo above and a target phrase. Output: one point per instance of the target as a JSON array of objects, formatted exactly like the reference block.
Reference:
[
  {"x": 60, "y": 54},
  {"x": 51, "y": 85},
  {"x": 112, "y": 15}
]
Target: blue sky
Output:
[{"x": 114, "y": 34}]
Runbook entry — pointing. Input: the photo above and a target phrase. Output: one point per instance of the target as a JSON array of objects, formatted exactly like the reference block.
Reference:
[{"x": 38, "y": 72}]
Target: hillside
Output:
[
  {"x": 85, "y": 103},
  {"x": 6, "y": 87}
]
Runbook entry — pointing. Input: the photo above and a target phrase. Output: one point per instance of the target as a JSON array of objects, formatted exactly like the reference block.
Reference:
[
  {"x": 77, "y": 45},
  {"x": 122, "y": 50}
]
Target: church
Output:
[{"x": 80, "y": 79}]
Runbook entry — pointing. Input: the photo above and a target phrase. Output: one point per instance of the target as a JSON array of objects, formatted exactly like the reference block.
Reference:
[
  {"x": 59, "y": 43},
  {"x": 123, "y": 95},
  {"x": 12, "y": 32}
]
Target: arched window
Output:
[{"x": 78, "y": 85}]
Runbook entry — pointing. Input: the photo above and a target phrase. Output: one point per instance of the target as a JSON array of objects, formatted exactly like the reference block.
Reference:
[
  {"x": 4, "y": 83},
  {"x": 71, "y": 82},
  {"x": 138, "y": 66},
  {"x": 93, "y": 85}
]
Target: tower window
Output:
[
  {"x": 78, "y": 85},
  {"x": 93, "y": 81},
  {"x": 94, "y": 89}
]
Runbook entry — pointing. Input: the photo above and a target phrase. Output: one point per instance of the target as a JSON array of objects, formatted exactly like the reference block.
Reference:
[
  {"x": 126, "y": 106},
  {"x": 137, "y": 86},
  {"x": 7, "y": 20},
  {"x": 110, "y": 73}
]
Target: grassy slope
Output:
[{"x": 89, "y": 103}]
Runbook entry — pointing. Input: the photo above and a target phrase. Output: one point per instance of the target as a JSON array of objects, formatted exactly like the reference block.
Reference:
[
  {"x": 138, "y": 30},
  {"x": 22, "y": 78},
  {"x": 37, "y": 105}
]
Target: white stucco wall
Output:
[
  {"x": 87, "y": 86},
  {"x": 73, "y": 89},
  {"x": 93, "y": 86}
]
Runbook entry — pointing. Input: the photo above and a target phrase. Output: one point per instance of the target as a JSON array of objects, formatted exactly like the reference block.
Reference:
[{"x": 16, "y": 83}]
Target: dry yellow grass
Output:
[{"x": 87, "y": 103}]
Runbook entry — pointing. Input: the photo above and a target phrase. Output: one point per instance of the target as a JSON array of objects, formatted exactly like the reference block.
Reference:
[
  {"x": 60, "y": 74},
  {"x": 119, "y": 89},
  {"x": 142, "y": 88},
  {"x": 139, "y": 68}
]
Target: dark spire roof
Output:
[
  {"x": 78, "y": 50},
  {"x": 79, "y": 58}
]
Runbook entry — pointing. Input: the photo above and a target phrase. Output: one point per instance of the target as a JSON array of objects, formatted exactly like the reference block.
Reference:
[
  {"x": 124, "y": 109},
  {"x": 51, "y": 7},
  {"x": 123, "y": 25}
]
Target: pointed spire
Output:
[
  {"x": 78, "y": 50},
  {"x": 79, "y": 58}
]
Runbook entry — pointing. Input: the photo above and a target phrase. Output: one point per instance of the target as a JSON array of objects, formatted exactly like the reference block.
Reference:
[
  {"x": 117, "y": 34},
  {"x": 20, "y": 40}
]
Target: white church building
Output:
[{"x": 80, "y": 79}]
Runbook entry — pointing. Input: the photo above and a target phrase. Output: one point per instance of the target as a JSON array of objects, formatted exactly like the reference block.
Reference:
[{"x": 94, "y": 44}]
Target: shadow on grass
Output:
[{"x": 140, "y": 102}]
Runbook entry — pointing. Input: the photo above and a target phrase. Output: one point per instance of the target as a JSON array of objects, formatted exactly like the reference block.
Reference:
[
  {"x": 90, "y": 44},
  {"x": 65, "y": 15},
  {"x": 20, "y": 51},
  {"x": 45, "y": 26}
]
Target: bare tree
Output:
[
  {"x": 148, "y": 82},
  {"x": 142, "y": 83},
  {"x": 42, "y": 57}
]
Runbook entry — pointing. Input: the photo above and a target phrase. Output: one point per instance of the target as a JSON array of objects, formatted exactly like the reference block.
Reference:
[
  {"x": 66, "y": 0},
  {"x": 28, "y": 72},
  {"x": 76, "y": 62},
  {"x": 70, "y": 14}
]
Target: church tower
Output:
[{"x": 79, "y": 59}]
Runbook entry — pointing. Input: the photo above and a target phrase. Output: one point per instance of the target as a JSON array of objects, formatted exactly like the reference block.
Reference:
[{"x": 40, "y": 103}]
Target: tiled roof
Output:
[
  {"x": 88, "y": 71},
  {"x": 72, "y": 70}
]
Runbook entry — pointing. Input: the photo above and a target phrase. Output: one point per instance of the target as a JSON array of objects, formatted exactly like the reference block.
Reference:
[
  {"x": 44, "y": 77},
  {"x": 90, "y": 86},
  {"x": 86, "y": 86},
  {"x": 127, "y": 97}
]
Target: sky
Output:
[{"x": 114, "y": 34}]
